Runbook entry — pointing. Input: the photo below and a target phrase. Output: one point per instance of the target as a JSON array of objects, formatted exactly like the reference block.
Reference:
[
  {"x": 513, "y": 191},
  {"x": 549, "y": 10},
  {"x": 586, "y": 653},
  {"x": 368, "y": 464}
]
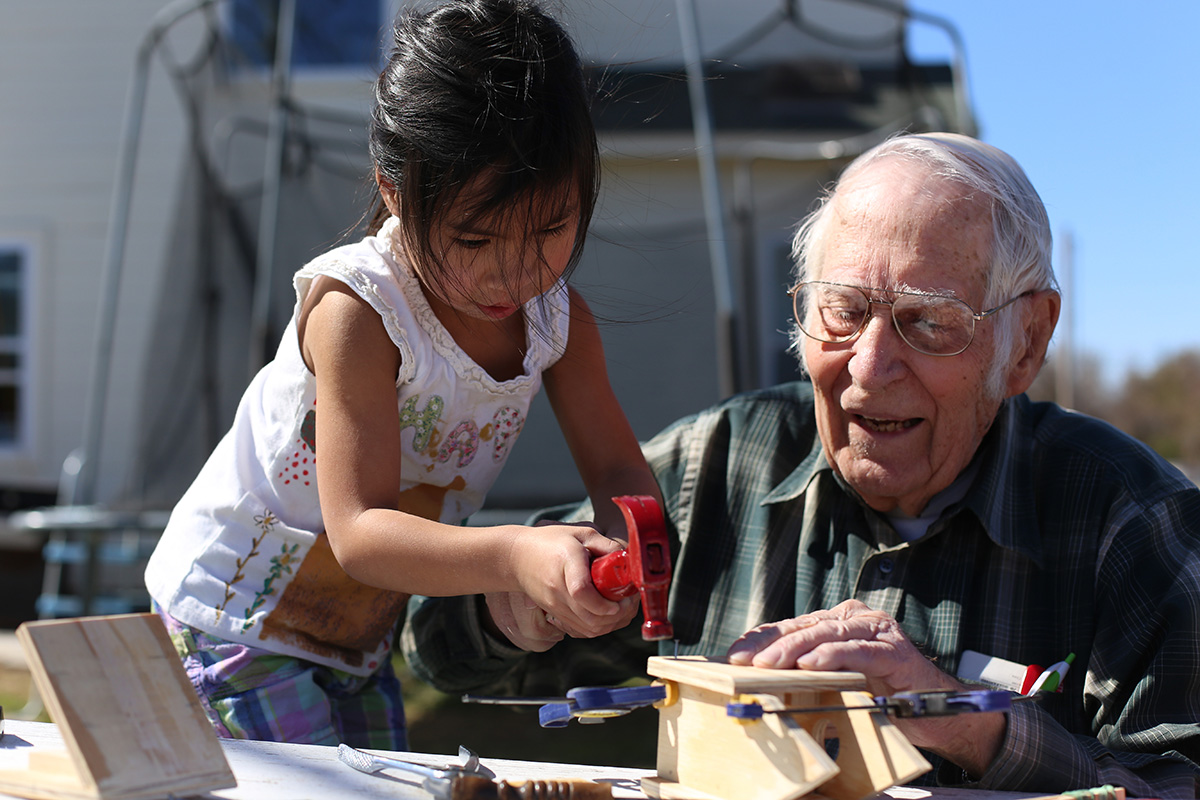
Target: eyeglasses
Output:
[{"x": 934, "y": 324}]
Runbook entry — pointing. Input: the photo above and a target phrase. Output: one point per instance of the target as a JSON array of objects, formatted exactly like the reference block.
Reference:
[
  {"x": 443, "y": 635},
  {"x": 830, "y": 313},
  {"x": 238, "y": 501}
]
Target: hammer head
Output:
[{"x": 644, "y": 566}]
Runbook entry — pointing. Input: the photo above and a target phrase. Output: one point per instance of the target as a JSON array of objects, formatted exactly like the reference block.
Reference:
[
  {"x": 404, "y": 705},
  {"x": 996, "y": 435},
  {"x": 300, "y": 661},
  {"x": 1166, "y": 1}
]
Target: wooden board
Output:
[
  {"x": 129, "y": 717},
  {"x": 718, "y": 675}
]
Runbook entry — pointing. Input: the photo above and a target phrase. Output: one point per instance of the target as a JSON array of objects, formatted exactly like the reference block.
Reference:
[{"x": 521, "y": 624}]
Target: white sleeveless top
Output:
[{"x": 244, "y": 555}]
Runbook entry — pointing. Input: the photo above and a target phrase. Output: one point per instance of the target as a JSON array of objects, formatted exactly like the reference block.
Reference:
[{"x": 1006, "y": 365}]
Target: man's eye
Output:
[{"x": 838, "y": 316}]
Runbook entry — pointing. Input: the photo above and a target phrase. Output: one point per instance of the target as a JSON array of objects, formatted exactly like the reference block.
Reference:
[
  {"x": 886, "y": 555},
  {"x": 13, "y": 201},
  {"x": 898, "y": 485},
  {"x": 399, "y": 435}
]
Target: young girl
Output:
[{"x": 397, "y": 393}]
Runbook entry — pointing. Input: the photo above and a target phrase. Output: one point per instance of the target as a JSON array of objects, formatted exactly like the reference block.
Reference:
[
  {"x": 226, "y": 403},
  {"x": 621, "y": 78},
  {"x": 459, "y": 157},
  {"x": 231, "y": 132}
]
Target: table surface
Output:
[{"x": 274, "y": 771}]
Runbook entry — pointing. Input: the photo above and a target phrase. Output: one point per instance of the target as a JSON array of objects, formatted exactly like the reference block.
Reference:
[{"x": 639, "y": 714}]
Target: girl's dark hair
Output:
[{"x": 483, "y": 87}]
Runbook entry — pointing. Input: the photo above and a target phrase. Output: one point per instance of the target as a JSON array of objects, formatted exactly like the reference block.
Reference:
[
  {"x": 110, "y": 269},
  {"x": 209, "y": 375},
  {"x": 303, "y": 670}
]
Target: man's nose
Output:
[{"x": 877, "y": 352}]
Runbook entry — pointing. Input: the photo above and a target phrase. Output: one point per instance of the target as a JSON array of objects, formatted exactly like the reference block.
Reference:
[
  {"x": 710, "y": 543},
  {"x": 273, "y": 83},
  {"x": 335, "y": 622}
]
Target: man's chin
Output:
[{"x": 881, "y": 486}]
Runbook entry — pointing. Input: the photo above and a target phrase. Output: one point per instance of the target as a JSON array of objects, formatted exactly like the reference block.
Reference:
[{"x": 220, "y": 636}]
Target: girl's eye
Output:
[
  {"x": 555, "y": 230},
  {"x": 471, "y": 244}
]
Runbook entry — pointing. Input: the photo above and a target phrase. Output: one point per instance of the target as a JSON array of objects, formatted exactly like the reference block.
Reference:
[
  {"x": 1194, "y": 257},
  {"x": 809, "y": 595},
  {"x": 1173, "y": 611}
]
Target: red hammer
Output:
[{"x": 644, "y": 566}]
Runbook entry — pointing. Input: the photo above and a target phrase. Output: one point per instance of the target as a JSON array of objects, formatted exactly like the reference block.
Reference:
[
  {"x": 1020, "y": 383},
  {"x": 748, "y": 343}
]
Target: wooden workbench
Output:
[{"x": 273, "y": 771}]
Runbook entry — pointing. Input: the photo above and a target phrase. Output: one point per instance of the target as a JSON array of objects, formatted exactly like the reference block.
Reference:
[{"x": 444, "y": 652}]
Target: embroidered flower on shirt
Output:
[
  {"x": 265, "y": 521},
  {"x": 281, "y": 565}
]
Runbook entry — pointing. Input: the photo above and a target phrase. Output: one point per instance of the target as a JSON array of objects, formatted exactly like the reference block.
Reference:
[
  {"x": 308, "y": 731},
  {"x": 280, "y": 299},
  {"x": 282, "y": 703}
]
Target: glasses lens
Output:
[
  {"x": 940, "y": 326},
  {"x": 829, "y": 312}
]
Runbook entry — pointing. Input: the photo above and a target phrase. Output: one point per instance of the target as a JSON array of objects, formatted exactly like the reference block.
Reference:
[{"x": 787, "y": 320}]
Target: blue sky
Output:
[{"x": 1099, "y": 101}]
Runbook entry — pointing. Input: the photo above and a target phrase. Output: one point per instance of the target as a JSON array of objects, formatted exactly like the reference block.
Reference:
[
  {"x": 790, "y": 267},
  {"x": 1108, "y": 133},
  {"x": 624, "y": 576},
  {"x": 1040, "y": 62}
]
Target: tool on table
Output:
[
  {"x": 588, "y": 704},
  {"x": 366, "y": 762},
  {"x": 474, "y": 788},
  {"x": 904, "y": 705},
  {"x": 594, "y": 704},
  {"x": 473, "y": 781},
  {"x": 1105, "y": 792},
  {"x": 438, "y": 781},
  {"x": 643, "y": 566}
]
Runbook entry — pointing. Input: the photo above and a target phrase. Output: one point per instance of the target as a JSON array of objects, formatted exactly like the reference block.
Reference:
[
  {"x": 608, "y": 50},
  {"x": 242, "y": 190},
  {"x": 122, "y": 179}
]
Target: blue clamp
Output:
[
  {"x": 944, "y": 704},
  {"x": 597, "y": 703},
  {"x": 901, "y": 704}
]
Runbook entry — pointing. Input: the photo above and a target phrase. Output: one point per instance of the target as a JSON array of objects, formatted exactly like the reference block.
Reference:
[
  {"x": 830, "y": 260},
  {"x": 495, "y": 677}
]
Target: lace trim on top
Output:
[
  {"x": 538, "y": 354},
  {"x": 366, "y": 289}
]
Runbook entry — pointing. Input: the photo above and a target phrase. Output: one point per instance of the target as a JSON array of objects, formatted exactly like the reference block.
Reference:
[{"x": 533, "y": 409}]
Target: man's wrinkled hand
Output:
[
  {"x": 515, "y": 616},
  {"x": 848, "y": 637},
  {"x": 852, "y": 637}
]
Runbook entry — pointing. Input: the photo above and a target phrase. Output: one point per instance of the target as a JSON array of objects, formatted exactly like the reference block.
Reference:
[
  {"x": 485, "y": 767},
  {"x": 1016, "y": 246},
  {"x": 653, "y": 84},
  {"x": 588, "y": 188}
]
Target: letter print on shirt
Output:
[
  {"x": 506, "y": 424},
  {"x": 464, "y": 439},
  {"x": 422, "y": 422}
]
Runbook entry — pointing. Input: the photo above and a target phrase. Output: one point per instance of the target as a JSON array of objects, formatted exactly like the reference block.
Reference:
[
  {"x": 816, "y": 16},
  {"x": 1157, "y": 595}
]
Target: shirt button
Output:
[{"x": 886, "y": 565}]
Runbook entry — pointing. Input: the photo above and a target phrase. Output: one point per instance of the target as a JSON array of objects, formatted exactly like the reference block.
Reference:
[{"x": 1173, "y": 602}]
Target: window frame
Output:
[
  {"x": 29, "y": 244},
  {"x": 248, "y": 70}
]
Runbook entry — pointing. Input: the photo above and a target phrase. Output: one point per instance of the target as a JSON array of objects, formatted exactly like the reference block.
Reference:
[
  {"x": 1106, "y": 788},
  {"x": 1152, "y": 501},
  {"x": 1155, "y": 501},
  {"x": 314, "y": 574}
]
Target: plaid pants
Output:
[{"x": 252, "y": 693}]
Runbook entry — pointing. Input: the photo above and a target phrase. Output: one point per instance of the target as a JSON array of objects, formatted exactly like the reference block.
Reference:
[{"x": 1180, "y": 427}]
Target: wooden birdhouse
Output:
[{"x": 705, "y": 752}]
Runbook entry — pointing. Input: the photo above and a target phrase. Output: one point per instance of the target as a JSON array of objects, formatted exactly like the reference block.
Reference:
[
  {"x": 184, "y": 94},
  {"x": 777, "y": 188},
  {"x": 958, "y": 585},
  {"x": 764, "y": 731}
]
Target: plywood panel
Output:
[
  {"x": 719, "y": 676},
  {"x": 130, "y": 719}
]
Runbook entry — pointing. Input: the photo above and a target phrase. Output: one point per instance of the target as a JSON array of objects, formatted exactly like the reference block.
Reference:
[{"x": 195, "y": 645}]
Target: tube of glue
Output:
[{"x": 1051, "y": 677}]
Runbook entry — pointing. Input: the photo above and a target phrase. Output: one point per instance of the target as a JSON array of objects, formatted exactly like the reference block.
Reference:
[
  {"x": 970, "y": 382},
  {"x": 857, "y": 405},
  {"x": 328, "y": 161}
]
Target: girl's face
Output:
[{"x": 491, "y": 265}]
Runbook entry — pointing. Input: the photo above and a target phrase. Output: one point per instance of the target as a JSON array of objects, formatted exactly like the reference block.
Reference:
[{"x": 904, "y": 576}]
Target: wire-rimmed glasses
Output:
[{"x": 934, "y": 324}]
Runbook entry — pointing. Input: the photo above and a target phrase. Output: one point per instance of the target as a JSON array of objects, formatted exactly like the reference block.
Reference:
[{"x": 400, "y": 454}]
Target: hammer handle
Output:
[
  {"x": 612, "y": 575},
  {"x": 475, "y": 788},
  {"x": 644, "y": 566}
]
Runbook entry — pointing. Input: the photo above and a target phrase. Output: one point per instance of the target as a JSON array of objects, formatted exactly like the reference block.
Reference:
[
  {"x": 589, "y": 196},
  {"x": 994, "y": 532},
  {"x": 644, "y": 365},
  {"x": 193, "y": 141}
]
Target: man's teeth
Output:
[{"x": 887, "y": 425}]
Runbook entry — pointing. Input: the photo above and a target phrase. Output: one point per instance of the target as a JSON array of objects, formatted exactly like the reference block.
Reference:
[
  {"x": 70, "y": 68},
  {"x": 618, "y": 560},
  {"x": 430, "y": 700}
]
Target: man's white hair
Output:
[{"x": 1021, "y": 239}]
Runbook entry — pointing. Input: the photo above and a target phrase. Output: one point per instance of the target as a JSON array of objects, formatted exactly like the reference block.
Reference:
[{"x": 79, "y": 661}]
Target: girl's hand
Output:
[{"x": 552, "y": 564}]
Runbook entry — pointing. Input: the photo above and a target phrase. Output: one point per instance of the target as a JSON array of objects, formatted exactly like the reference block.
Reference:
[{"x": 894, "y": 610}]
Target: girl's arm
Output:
[
  {"x": 605, "y": 449},
  {"x": 358, "y": 477}
]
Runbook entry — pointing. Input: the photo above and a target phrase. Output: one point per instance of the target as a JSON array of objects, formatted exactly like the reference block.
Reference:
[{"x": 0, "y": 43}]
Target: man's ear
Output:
[
  {"x": 388, "y": 190},
  {"x": 1028, "y": 356}
]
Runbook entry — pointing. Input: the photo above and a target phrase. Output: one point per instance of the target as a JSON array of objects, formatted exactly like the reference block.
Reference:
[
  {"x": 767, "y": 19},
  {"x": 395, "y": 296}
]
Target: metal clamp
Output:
[{"x": 904, "y": 705}]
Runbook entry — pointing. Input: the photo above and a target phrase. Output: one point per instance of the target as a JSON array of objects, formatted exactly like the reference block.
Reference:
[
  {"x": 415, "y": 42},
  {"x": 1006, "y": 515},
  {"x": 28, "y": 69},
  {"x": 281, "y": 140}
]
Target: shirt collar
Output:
[
  {"x": 1001, "y": 496},
  {"x": 797, "y": 482}
]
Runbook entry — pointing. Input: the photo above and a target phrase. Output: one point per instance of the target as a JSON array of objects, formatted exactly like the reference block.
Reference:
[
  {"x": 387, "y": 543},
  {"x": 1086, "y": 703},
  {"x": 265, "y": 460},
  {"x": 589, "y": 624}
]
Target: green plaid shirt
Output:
[{"x": 1073, "y": 538}]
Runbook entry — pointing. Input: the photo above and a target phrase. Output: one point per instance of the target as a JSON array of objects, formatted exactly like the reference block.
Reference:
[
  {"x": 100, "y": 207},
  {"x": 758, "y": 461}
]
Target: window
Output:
[
  {"x": 329, "y": 33},
  {"x": 15, "y": 269}
]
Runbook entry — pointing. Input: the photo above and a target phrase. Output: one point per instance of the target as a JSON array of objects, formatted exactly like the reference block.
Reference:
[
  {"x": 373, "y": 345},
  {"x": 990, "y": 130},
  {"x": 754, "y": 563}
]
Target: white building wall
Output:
[{"x": 65, "y": 70}]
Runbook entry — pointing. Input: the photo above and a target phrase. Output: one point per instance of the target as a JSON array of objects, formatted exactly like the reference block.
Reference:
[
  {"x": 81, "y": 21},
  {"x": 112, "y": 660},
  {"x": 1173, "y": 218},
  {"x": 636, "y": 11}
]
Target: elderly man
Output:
[{"x": 911, "y": 505}]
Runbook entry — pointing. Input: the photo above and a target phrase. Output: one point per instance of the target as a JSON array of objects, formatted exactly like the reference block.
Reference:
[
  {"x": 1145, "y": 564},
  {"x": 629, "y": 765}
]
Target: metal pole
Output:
[
  {"x": 1064, "y": 369},
  {"x": 728, "y": 380},
  {"x": 281, "y": 71},
  {"x": 962, "y": 93},
  {"x": 83, "y": 488}
]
